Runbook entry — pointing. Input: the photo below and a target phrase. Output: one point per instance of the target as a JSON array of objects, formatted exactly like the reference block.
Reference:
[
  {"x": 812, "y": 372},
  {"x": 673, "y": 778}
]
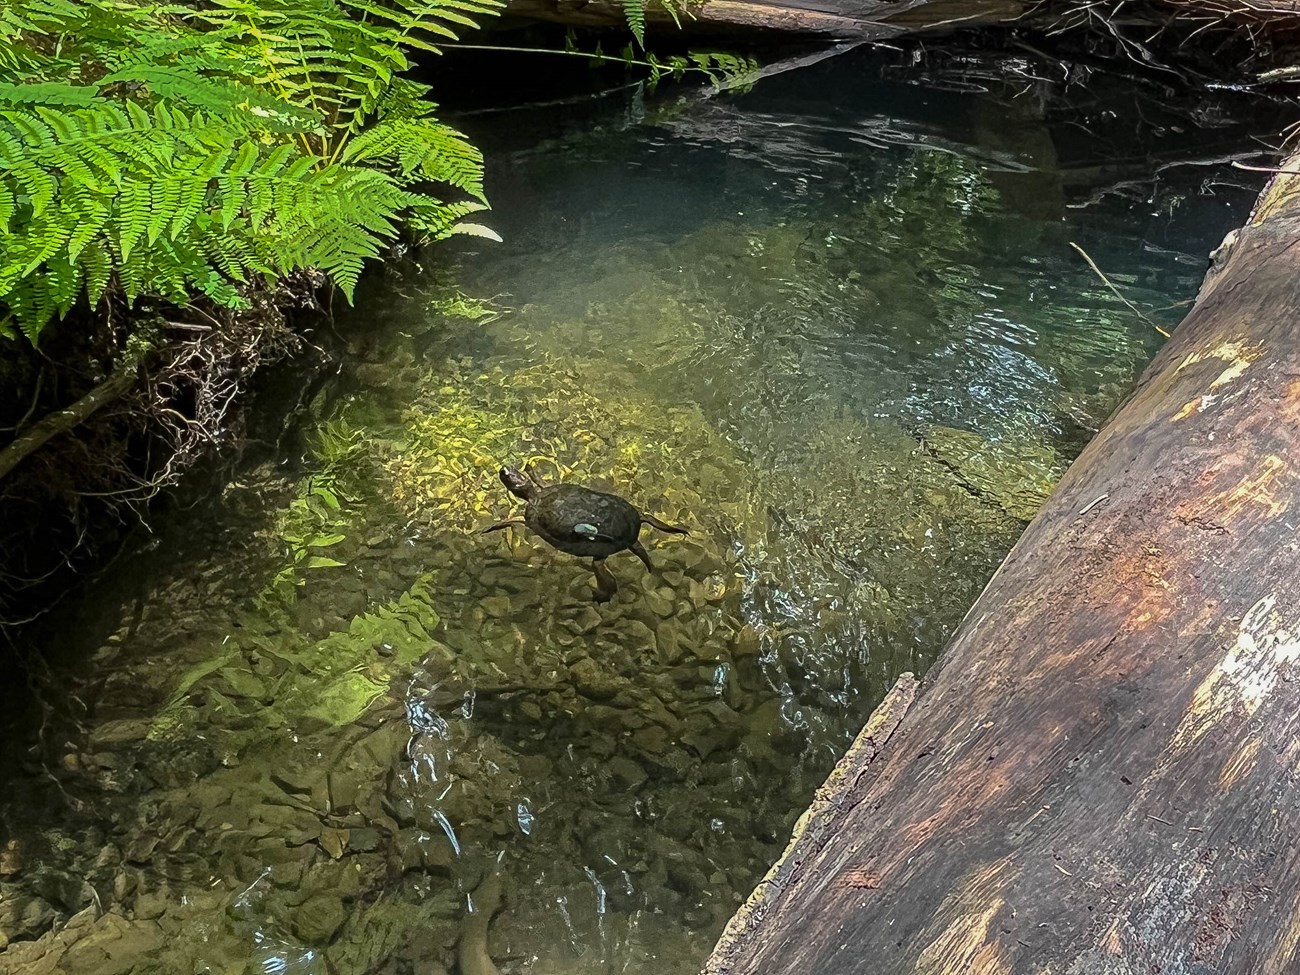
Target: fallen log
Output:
[
  {"x": 1101, "y": 776},
  {"x": 831, "y": 19}
]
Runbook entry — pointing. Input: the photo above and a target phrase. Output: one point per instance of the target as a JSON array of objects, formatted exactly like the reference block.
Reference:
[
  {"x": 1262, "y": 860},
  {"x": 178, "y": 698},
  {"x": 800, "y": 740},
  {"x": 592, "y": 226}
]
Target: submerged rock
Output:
[
  {"x": 594, "y": 681},
  {"x": 319, "y": 918}
]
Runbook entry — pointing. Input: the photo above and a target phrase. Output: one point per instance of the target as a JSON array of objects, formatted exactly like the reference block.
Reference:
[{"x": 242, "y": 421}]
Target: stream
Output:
[{"x": 313, "y": 721}]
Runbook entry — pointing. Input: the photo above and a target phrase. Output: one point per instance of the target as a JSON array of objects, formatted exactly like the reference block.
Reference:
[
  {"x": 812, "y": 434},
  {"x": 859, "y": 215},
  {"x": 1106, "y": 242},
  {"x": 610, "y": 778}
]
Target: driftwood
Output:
[{"x": 1100, "y": 775}]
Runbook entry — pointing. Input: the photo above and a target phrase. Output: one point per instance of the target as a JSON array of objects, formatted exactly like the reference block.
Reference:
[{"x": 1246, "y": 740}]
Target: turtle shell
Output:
[{"x": 565, "y": 515}]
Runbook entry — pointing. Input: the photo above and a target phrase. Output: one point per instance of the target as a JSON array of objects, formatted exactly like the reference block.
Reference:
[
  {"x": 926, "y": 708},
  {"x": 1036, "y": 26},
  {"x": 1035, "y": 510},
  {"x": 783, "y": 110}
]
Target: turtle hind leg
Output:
[
  {"x": 606, "y": 584},
  {"x": 639, "y": 551},
  {"x": 654, "y": 522}
]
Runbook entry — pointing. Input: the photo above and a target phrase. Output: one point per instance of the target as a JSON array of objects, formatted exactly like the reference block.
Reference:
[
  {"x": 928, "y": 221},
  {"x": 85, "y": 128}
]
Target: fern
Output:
[
  {"x": 634, "y": 11},
  {"x": 167, "y": 150},
  {"x": 340, "y": 59},
  {"x": 722, "y": 68},
  {"x": 421, "y": 148}
]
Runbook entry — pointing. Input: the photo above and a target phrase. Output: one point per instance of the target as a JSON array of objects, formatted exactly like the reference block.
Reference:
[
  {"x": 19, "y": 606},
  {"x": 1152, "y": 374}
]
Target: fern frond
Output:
[
  {"x": 46, "y": 93},
  {"x": 63, "y": 277},
  {"x": 421, "y": 148},
  {"x": 192, "y": 194},
  {"x": 182, "y": 84},
  {"x": 98, "y": 264},
  {"x": 92, "y": 211},
  {"x": 634, "y": 12},
  {"x": 132, "y": 217}
]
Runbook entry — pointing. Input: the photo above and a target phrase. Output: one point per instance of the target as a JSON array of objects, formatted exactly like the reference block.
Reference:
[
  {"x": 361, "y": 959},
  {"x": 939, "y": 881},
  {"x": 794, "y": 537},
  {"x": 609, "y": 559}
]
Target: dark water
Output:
[{"x": 833, "y": 326}]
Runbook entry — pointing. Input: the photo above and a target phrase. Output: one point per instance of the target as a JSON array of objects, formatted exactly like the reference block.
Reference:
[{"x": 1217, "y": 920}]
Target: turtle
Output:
[{"x": 581, "y": 521}]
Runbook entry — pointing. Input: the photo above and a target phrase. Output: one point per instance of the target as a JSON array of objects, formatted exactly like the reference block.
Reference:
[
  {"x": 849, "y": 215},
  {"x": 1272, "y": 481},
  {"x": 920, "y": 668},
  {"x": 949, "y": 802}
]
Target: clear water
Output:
[{"x": 833, "y": 326}]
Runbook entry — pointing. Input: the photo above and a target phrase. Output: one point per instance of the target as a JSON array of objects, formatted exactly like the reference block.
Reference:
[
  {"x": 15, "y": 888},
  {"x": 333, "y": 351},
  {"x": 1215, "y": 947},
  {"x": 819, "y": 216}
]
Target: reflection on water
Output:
[{"x": 325, "y": 726}]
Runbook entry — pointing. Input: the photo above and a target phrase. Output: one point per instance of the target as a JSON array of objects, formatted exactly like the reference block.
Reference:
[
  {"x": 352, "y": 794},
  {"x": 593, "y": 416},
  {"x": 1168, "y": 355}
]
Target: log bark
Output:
[{"x": 1102, "y": 774}]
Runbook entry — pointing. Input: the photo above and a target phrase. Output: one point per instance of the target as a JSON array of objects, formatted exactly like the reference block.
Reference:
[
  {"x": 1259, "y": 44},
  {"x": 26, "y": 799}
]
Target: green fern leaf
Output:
[
  {"x": 51, "y": 236},
  {"x": 166, "y": 200},
  {"x": 91, "y": 215},
  {"x": 39, "y": 187},
  {"x": 46, "y": 93},
  {"x": 634, "y": 11},
  {"x": 63, "y": 279},
  {"x": 32, "y": 130},
  {"x": 192, "y": 194},
  {"x": 98, "y": 264},
  {"x": 132, "y": 218},
  {"x": 232, "y": 200},
  {"x": 215, "y": 164},
  {"x": 245, "y": 160}
]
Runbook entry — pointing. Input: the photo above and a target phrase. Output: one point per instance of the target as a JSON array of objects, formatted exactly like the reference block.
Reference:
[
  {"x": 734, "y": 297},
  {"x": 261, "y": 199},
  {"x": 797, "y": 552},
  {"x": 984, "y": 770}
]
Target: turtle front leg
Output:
[
  {"x": 503, "y": 524},
  {"x": 606, "y": 584},
  {"x": 663, "y": 526},
  {"x": 639, "y": 551}
]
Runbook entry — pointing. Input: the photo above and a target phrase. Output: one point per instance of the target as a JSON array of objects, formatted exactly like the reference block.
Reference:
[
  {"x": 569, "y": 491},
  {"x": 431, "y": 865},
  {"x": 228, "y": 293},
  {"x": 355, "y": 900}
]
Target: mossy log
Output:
[{"x": 1100, "y": 775}]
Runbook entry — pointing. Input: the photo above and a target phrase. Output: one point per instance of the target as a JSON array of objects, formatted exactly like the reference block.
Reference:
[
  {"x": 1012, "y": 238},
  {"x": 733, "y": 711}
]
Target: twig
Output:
[
  {"x": 1265, "y": 169},
  {"x": 1115, "y": 291},
  {"x": 1093, "y": 503},
  {"x": 554, "y": 102}
]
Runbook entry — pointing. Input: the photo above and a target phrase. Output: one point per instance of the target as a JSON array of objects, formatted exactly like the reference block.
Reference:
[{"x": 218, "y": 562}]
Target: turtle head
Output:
[{"x": 518, "y": 483}]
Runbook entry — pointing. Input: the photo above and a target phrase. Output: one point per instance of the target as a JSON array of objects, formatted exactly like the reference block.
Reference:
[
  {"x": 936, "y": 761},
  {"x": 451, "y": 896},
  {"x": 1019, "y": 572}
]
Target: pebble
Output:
[
  {"x": 11, "y": 859},
  {"x": 660, "y": 602},
  {"x": 746, "y": 642},
  {"x": 363, "y": 840},
  {"x": 497, "y": 607},
  {"x": 594, "y": 681},
  {"x": 333, "y": 841}
]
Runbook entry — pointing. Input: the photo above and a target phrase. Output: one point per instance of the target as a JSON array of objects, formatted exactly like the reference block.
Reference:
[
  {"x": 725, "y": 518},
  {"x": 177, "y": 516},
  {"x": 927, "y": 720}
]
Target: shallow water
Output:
[{"x": 833, "y": 326}]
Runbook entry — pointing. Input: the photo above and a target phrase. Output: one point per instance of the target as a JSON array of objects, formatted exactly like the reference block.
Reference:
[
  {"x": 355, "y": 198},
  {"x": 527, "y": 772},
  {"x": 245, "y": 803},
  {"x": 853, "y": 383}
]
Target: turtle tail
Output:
[{"x": 654, "y": 522}]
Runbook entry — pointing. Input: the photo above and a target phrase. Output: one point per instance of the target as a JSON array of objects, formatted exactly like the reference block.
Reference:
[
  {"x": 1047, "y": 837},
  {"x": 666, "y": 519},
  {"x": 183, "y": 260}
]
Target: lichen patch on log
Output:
[
  {"x": 1252, "y": 490},
  {"x": 965, "y": 946},
  {"x": 1249, "y": 671}
]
